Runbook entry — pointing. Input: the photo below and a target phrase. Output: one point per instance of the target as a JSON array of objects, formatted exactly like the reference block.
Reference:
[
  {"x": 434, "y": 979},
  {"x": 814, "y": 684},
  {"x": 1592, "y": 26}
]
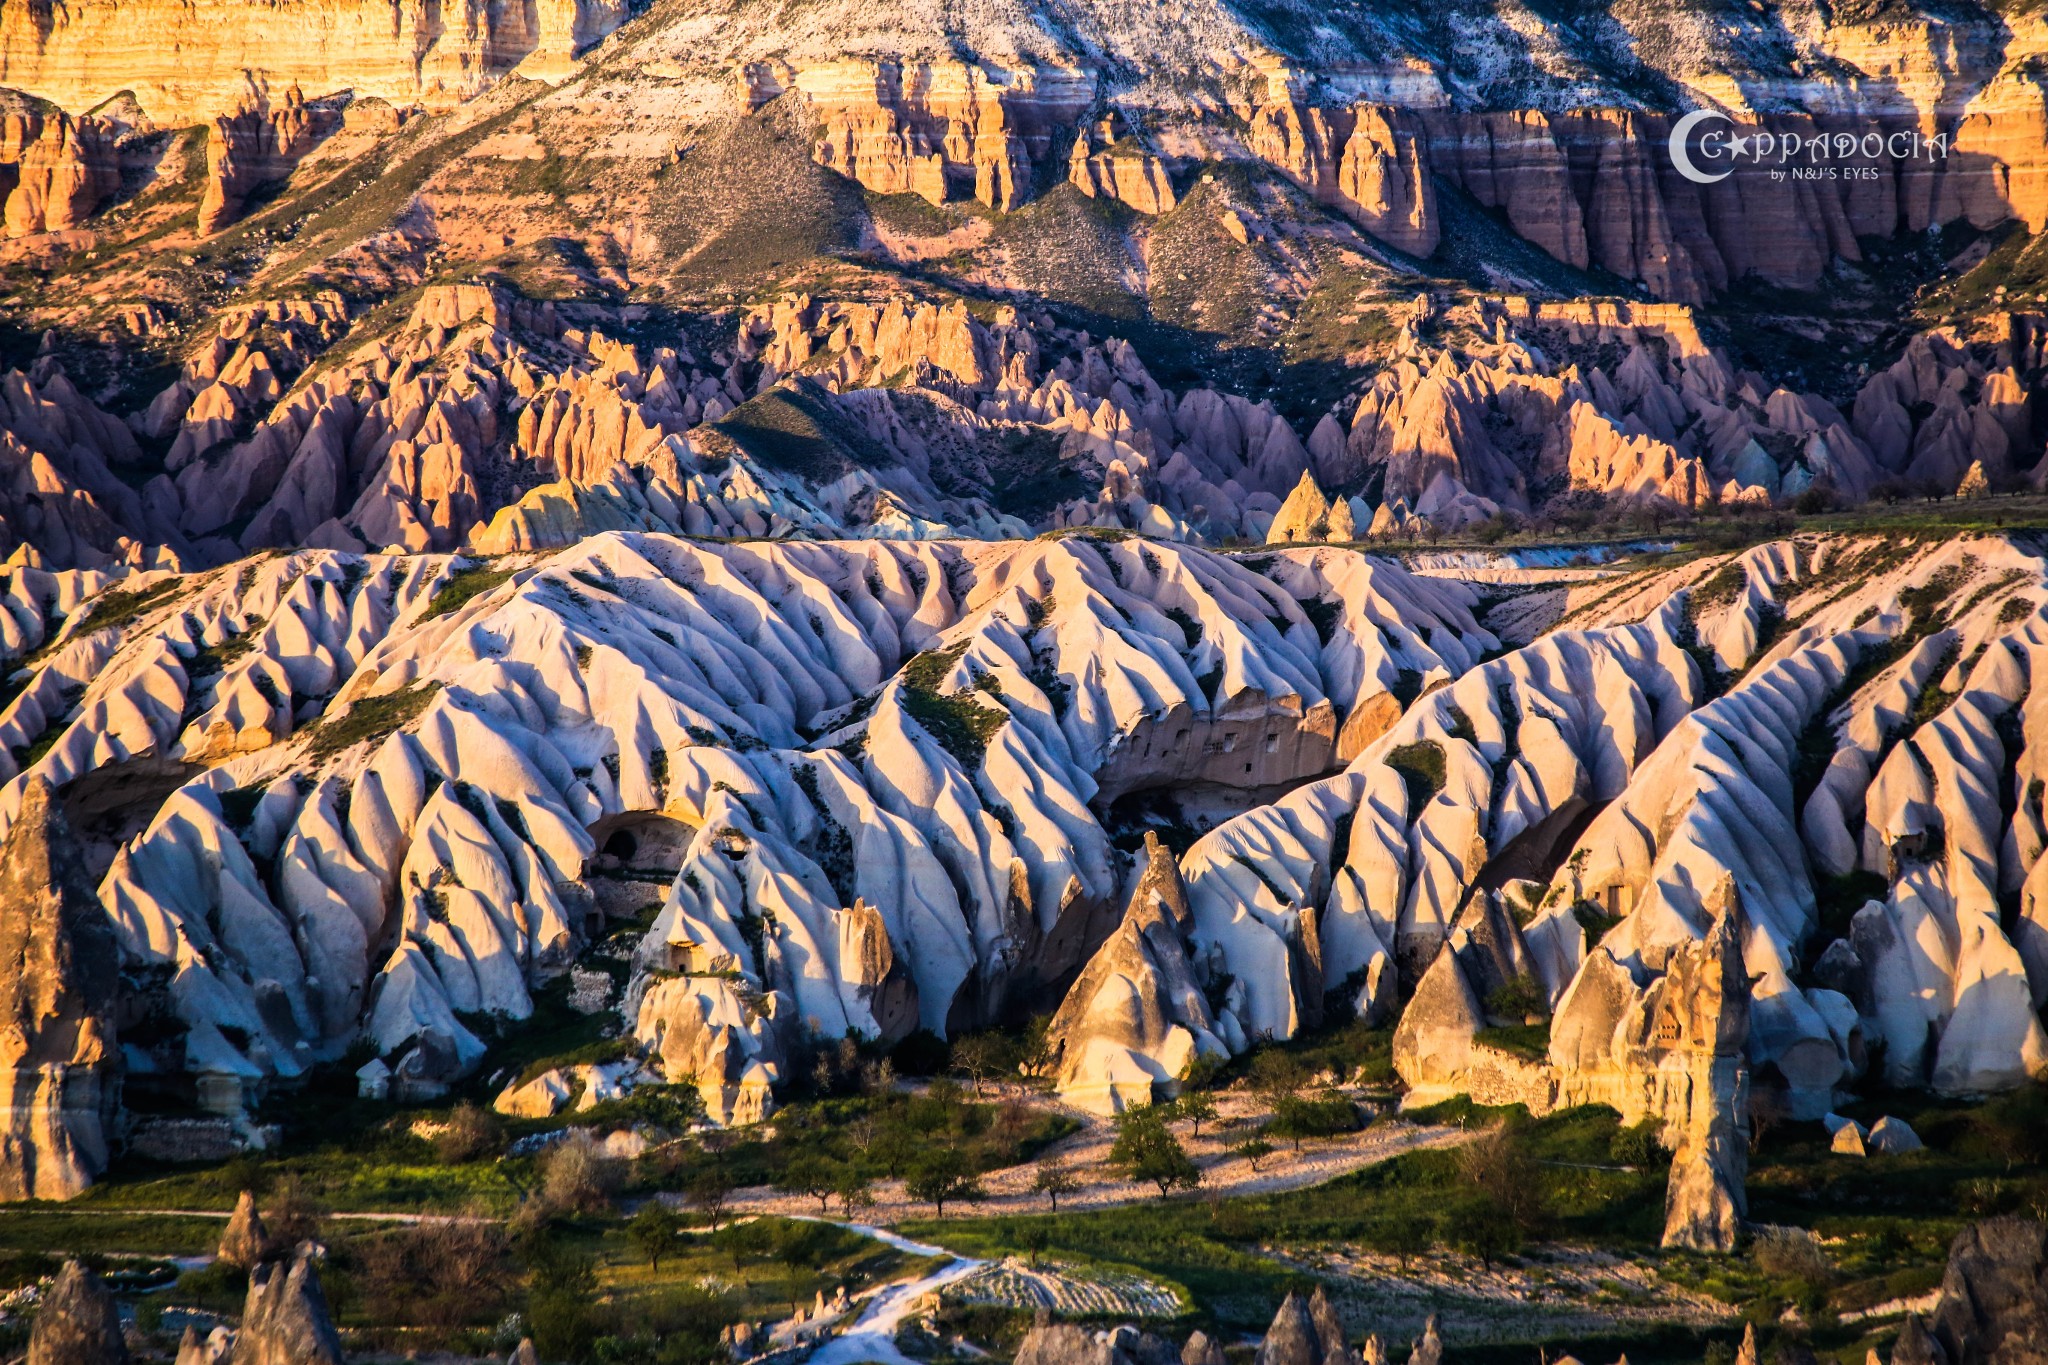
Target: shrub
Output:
[
  {"x": 443, "y": 1273},
  {"x": 578, "y": 1178},
  {"x": 1518, "y": 999},
  {"x": 1636, "y": 1145},
  {"x": 561, "y": 1304},
  {"x": 1421, "y": 766},
  {"x": 371, "y": 718},
  {"x": 1792, "y": 1254},
  {"x": 472, "y": 1132}
]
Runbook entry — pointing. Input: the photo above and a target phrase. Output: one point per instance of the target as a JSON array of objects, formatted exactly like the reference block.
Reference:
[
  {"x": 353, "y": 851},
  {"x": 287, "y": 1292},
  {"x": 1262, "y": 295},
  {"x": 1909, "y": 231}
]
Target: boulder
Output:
[
  {"x": 210, "y": 1349},
  {"x": 1892, "y": 1136},
  {"x": 78, "y": 1323}
]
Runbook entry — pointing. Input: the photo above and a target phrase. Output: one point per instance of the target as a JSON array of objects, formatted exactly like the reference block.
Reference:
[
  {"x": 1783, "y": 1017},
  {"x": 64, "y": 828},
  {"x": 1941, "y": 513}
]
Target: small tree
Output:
[
  {"x": 655, "y": 1233},
  {"x": 1197, "y": 1107},
  {"x": 1297, "y": 1117},
  {"x": 1480, "y": 1227},
  {"x": 894, "y": 1148},
  {"x": 976, "y": 1058},
  {"x": 1497, "y": 1166},
  {"x": 808, "y": 1175},
  {"x": 855, "y": 1186},
  {"x": 1255, "y": 1150},
  {"x": 1145, "y": 1150},
  {"x": 1405, "y": 1236},
  {"x": 1054, "y": 1179},
  {"x": 941, "y": 1176},
  {"x": 709, "y": 1188},
  {"x": 1276, "y": 1078}
]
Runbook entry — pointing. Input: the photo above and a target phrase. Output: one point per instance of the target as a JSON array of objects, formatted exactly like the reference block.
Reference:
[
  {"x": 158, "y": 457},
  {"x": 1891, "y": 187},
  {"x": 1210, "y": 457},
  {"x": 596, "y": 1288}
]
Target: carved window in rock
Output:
[
  {"x": 1617, "y": 897},
  {"x": 1668, "y": 1029}
]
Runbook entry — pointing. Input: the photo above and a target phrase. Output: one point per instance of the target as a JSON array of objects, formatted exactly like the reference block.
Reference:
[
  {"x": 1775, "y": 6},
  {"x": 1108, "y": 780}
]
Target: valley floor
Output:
[{"x": 1224, "y": 1173}]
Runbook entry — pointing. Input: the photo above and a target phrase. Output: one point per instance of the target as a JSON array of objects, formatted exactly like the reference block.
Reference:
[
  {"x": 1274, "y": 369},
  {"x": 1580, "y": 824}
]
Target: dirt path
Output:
[
  {"x": 224, "y": 1214},
  {"x": 1086, "y": 1154}
]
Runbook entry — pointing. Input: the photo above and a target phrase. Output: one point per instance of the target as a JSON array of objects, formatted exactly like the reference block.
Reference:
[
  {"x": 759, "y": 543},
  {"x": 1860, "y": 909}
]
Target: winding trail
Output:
[{"x": 872, "y": 1337}]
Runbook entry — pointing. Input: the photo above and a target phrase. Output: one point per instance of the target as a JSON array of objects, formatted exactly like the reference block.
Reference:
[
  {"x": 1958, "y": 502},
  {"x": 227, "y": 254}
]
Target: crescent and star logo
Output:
[{"x": 1681, "y": 158}]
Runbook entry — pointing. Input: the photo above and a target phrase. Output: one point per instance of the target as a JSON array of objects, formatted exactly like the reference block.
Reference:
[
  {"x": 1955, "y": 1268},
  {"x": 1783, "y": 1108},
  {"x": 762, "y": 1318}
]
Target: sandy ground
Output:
[{"x": 1086, "y": 1154}]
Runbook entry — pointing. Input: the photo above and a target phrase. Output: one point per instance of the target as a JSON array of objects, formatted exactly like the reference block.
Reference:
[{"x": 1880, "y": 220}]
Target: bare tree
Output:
[{"x": 1054, "y": 1179}]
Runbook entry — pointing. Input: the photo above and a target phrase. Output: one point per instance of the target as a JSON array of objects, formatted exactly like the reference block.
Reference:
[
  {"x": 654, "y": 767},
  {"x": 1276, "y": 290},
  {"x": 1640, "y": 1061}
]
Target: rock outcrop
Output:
[
  {"x": 1305, "y": 1332},
  {"x": 255, "y": 147},
  {"x": 188, "y": 64},
  {"x": 1994, "y": 1297},
  {"x": 77, "y": 1323},
  {"x": 246, "y": 1243},
  {"x": 59, "y": 979},
  {"x": 285, "y": 1319},
  {"x": 1059, "y": 1343},
  {"x": 1136, "y": 1019}
]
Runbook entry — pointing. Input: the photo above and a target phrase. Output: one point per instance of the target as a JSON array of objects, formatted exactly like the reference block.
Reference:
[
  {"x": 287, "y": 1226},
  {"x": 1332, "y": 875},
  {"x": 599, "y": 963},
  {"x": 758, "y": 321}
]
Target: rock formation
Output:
[
  {"x": 255, "y": 147},
  {"x": 1104, "y": 163},
  {"x": 65, "y": 168},
  {"x": 78, "y": 1323},
  {"x": 246, "y": 1243},
  {"x": 1136, "y": 1019},
  {"x": 59, "y": 975},
  {"x": 285, "y": 1320},
  {"x": 1305, "y": 1333},
  {"x": 1058, "y": 1343},
  {"x": 197, "y": 62},
  {"x": 1994, "y": 1298}
]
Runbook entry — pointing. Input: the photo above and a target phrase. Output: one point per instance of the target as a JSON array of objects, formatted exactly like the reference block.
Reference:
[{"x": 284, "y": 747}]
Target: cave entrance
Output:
[{"x": 638, "y": 856}]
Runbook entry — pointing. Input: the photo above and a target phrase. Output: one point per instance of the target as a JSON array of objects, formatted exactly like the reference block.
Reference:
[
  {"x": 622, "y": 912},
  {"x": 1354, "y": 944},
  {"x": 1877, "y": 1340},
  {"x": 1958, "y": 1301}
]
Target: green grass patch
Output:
[
  {"x": 462, "y": 588},
  {"x": 1530, "y": 1042},
  {"x": 371, "y": 718},
  {"x": 961, "y": 725},
  {"x": 69, "y": 1230},
  {"x": 1421, "y": 766}
]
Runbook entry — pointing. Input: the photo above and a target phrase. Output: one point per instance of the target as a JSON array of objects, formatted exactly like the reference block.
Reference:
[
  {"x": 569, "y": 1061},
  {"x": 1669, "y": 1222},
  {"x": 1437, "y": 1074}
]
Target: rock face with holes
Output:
[
  {"x": 894, "y": 783},
  {"x": 59, "y": 978}
]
